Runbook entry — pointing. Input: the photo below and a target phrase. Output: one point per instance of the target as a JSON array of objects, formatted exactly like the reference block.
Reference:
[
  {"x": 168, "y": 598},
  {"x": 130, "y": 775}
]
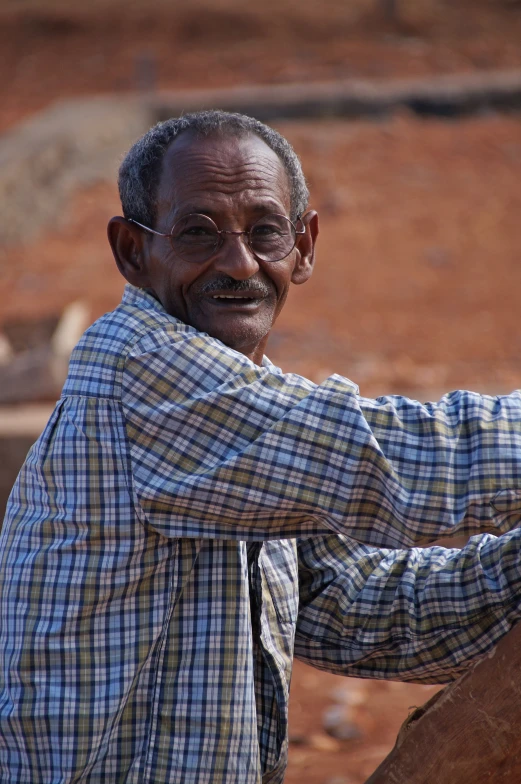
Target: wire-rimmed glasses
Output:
[{"x": 196, "y": 238}]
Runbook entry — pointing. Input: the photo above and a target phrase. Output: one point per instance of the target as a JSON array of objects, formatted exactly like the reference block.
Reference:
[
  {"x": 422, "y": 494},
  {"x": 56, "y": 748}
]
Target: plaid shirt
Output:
[{"x": 178, "y": 532}]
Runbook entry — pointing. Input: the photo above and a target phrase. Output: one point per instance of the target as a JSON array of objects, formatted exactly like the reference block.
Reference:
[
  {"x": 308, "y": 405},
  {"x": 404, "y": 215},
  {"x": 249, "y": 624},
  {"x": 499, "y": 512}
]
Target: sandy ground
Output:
[{"x": 417, "y": 279}]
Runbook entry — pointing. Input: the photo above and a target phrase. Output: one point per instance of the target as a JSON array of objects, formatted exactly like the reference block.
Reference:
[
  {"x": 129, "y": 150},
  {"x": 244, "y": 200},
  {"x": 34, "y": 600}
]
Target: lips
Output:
[
  {"x": 228, "y": 288},
  {"x": 231, "y": 296},
  {"x": 228, "y": 295},
  {"x": 242, "y": 296},
  {"x": 235, "y": 301}
]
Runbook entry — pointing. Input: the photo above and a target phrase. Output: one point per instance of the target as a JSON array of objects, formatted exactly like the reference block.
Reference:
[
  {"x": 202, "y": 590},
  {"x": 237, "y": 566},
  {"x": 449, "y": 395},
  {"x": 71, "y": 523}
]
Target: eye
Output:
[
  {"x": 194, "y": 229},
  {"x": 266, "y": 229},
  {"x": 197, "y": 231}
]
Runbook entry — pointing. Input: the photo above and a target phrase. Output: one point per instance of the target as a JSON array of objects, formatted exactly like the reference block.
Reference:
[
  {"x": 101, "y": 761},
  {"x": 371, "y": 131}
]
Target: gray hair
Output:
[{"x": 140, "y": 170}]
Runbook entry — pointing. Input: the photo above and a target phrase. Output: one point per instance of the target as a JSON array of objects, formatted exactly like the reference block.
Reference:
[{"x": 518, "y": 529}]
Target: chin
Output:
[
  {"x": 245, "y": 341},
  {"x": 241, "y": 333}
]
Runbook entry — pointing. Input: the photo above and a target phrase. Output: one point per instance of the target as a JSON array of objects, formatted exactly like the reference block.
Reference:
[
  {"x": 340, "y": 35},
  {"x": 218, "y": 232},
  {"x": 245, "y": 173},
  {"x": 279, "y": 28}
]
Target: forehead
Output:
[{"x": 218, "y": 172}]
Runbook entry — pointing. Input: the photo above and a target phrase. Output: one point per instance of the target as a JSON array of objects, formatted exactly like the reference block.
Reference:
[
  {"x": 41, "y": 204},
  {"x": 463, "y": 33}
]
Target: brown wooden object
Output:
[{"x": 469, "y": 733}]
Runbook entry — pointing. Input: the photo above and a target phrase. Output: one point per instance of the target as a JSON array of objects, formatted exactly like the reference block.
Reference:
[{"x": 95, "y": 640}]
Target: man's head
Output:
[{"x": 235, "y": 171}]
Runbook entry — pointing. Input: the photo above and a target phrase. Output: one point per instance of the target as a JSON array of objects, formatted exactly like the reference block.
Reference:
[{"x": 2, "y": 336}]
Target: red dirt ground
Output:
[
  {"x": 417, "y": 281},
  {"x": 53, "y": 49}
]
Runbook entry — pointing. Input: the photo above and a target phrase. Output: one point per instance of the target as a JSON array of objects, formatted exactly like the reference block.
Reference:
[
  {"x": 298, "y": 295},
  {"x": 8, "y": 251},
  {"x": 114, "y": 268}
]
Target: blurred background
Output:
[{"x": 417, "y": 281}]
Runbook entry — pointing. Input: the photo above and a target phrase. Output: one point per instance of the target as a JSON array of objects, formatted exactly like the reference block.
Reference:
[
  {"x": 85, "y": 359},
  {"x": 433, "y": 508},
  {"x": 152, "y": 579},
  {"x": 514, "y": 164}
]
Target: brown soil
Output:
[
  {"x": 52, "y": 49},
  {"x": 417, "y": 279}
]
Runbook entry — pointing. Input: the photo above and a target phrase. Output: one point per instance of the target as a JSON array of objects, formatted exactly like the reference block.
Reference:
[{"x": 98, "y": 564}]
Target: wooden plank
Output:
[
  {"x": 469, "y": 733},
  {"x": 24, "y": 421},
  {"x": 449, "y": 95}
]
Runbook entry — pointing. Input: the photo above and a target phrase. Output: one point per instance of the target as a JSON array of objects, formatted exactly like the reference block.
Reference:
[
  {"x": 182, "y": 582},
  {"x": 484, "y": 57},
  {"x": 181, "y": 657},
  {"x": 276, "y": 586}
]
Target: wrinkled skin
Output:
[{"x": 231, "y": 296}]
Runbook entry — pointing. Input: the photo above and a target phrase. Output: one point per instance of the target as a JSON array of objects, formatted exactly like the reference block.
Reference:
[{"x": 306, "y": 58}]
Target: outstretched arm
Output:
[
  {"x": 222, "y": 448},
  {"x": 418, "y": 615}
]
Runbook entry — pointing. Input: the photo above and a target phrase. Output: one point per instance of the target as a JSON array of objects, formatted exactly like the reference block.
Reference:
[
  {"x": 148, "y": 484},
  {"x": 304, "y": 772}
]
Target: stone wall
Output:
[{"x": 59, "y": 151}]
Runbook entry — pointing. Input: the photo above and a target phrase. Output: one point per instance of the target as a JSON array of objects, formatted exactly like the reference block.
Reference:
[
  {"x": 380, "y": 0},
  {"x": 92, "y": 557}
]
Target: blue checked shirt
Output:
[{"x": 180, "y": 531}]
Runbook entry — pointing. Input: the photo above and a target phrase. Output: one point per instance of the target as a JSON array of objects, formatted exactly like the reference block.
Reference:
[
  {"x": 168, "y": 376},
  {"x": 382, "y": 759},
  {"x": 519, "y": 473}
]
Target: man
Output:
[{"x": 179, "y": 530}]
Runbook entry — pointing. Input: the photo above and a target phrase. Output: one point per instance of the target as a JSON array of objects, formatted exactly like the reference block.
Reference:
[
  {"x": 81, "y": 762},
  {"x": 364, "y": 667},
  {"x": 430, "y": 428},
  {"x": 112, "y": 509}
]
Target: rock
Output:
[
  {"x": 73, "y": 322},
  {"x": 322, "y": 742},
  {"x": 298, "y": 739},
  {"x": 6, "y": 351},
  {"x": 338, "y": 723}
]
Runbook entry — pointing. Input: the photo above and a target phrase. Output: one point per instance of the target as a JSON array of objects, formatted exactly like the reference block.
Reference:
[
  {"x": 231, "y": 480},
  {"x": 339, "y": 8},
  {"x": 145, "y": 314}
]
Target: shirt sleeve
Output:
[
  {"x": 223, "y": 448},
  {"x": 419, "y": 615}
]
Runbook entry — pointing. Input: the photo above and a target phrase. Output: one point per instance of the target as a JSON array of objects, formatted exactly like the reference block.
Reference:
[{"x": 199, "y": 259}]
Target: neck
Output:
[{"x": 255, "y": 353}]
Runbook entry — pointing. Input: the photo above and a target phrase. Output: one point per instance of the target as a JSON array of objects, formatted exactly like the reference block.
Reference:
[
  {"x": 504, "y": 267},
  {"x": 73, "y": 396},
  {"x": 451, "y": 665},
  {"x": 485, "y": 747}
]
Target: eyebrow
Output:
[{"x": 261, "y": 208}]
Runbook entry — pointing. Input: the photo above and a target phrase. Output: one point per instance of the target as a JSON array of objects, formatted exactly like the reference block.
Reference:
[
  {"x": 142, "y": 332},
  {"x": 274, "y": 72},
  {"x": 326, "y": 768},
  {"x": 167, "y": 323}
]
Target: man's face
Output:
[{"x": 231, "y": 296}]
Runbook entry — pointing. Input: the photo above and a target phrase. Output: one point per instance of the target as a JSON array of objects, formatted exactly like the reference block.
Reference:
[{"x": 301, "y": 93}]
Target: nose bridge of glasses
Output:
[
  {"x": 230, "y": 233},
  {"x": 246, "y": 234},
  {"x": 239, "y": 261}
]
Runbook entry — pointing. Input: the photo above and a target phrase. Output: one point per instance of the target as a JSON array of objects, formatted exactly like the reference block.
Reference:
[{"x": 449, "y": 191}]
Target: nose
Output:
[{"x": 234, "y": 257}]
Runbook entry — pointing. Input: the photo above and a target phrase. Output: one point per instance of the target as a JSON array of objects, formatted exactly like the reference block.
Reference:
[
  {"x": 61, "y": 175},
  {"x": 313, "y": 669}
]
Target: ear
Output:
[
  {"x": 306, "y": 249},
  {"x": 128, "y": 246}
]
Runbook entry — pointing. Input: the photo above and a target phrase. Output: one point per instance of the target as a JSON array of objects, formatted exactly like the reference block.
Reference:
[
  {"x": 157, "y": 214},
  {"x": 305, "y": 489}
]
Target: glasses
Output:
[{"x": 196, "y": 238}]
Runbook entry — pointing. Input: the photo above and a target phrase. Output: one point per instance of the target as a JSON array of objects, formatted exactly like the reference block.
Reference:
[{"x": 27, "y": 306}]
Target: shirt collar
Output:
[{"x": 142, "y": 299}]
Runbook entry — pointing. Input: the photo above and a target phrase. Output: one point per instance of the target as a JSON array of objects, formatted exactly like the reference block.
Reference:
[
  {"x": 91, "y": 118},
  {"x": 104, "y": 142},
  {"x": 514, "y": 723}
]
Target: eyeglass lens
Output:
[{"x": 196, "y": 237}]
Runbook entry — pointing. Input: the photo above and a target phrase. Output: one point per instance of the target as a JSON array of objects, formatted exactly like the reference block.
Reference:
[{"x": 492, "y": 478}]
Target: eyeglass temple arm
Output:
[{"x": 146, "y": 228}]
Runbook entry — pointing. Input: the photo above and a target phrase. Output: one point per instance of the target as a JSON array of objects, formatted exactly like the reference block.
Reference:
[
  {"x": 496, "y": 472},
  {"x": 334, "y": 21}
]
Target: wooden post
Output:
[
  {"x": 390, "y": 9},
  {"x": 469, "y": 732}
]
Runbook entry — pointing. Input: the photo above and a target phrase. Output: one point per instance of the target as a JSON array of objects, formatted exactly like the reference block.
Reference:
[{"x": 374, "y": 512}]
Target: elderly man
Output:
[{"x": 180, "y": 529}]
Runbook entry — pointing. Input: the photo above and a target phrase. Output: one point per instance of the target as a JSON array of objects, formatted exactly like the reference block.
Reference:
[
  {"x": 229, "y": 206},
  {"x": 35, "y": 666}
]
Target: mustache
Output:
[{"x": 225, "y": 283}]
